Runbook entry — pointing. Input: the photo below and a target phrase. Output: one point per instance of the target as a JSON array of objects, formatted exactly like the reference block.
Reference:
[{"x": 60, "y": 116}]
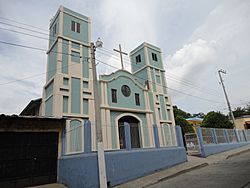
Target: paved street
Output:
[{"x": 234, "y": 172}]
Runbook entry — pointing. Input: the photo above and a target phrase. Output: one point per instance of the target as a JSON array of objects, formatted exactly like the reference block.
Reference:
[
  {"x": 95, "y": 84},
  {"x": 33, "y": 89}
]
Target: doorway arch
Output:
[{"x": 134, "y": 131}]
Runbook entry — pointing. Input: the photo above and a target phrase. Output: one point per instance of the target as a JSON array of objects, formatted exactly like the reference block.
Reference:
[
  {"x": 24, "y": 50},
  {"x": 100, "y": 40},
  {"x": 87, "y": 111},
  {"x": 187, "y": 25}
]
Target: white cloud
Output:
[
  {"x": 128, "y": 22},
  {"x": 192, "y": 54},
  {"x": 222, "y": 41},
  {"x": 200, "y": 37}
]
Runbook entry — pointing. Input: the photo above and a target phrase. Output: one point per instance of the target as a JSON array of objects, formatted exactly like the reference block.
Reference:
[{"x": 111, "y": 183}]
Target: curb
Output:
[
  {"x": 202, "y": 163},
  {"x": 184, "y": 171},
  {"x": 235, "y": 154},
  {"x": 179, "y": 173}
]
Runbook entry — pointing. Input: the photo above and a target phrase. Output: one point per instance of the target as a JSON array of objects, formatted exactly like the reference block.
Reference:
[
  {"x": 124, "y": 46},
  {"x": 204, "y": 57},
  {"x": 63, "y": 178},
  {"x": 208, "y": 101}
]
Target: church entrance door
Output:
[{"x": 134, "y": 131}]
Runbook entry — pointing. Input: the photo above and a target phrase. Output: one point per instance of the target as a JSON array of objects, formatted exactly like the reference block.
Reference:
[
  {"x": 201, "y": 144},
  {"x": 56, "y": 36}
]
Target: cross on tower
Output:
[{"x": 120, "y": 52}]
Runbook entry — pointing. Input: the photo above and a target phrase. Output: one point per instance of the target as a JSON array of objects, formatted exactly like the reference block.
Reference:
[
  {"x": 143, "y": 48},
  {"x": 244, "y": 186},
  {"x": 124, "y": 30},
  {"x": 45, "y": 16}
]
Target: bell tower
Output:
[
  {"x": 68, "y": 91},
  {"x": 148, "y": 68}
]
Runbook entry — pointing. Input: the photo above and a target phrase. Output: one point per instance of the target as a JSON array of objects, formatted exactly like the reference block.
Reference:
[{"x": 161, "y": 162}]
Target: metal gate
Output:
[
  {"x": 28, "y": 158},
  {"x": 192, "y": 143}
]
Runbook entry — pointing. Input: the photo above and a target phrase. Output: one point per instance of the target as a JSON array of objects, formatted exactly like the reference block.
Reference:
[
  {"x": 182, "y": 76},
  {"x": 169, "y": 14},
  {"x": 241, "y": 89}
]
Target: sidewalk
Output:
[
  {"x": 53, "y": 185},
  {"x": 192, "y": 164}
]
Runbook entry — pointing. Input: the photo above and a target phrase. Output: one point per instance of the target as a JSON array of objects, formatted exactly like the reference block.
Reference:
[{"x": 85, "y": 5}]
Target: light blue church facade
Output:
[{"x": 139, "y": 97}]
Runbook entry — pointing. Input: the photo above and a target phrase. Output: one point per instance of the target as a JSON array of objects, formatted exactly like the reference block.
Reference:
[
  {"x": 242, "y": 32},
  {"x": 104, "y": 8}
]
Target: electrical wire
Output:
[
  {"x": 183, "y": 82},
  {"x": 201, "y": 89},
  {"x": 34, "y": 48},
  {"x": 63, "y": 53},
  {"x": 32, "y": 26}
]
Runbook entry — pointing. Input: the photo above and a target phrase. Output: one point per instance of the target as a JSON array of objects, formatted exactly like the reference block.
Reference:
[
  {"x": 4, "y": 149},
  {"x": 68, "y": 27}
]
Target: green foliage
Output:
[
  {"x": 238, "y": 112},
  {"x": 241, "y": 111},
  {"x": 200, "y": 115},
  {"x": 217, "y": 120},
  {"x": 181, "y": 113},
  {"x": 184, "y": 124}
]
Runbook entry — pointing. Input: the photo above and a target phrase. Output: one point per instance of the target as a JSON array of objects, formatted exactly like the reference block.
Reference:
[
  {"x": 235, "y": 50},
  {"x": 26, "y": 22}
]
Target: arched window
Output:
[{"x": 75, "y": 133}]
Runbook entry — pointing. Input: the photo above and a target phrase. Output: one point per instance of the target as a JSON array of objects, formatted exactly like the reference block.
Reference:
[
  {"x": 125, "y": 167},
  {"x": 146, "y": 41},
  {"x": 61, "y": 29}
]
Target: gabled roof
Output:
[{"x": 31, "y": 108}]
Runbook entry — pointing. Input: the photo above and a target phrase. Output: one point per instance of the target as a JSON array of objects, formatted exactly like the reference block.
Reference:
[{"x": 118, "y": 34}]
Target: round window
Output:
[{"x": 126, "y": 90}]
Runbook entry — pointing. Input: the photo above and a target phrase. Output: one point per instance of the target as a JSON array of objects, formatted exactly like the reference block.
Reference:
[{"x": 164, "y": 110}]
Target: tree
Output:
[
  {"x": 181, "y": 113},
  {"x": 200, "y": 115},
  {"x": 216, "y": 120},
  {"x": 241, "y": 111},
  {"x": 247, "y": 109},
  {"x": 186, "y": 127},
  {"x": 238, "y": 112}
]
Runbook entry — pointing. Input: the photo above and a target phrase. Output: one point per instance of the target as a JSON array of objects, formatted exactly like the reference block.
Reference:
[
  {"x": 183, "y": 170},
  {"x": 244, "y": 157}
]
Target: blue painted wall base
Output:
[
  {"x": 80, "y": 170},
  {"x": 211, "y": 149}
]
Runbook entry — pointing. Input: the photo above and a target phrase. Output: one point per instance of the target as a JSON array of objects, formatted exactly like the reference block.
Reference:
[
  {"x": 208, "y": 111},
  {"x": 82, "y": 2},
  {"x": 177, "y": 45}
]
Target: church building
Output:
[{"x": 139, "y": 98}]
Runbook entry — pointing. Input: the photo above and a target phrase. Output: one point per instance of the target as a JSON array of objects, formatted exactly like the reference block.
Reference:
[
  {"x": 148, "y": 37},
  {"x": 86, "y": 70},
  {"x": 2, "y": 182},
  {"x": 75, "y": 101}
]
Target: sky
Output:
[{"x": 197, "y": 38}]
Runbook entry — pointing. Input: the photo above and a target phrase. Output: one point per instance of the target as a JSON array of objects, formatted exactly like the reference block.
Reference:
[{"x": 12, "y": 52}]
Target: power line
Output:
[
  {"x": 192, "y": 87},
  {"x": 23, "y": 46},
  {"x": 56, "y": 52},
  {"x": 36, "y": 36},
  {"x": 23, "y": 23},
  {"x": 40, "y": 49},
  {"x": 189, "y": 82},
  {"x": 40, "y": 74},
  {"x": 176, "y": 80},
  {"x": 31, "y": 30},
  {"x": 183, "y": 82},
  {"x": 11, "y": 30},
  {"x": 164, "y": 86},
  {"x": 35, "y": 48}
]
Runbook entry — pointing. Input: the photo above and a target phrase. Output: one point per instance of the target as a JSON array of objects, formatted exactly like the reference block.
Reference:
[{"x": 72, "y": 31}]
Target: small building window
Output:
[
  {"x": 75, "y": 45},
  {"x": 75, "y": 56},
  {"x": 85, "y": 103},
  {"x": 159, "y": 113},
  {"x": 75, "y": 26},
  {"x": 138, "y": 58},
  {"x": 154, "y": 56},
  {"x": 157, "y": 97},
  {"x": 166, "y": 99},
  {"x": 147, "y": 84},
  {"x": 65, "y": 104},
  {"x": 158, "y": 79},
  {"x": 54, "y": 30},
  {"x": 65, "y": 81},
  {"x": 114, "y": 95},
  {"x": 137, "y": 99},
  {"x": 85, "y": 84},
  {"x": 169, "y": 115}
]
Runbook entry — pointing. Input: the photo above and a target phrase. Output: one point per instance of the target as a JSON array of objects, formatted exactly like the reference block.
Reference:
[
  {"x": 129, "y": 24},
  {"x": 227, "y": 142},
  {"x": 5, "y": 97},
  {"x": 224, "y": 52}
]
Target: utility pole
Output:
[
  {"x": 99, "y": 139},
  {"x": 224, "y": 90},
  {"x": 96, "y": 95}
]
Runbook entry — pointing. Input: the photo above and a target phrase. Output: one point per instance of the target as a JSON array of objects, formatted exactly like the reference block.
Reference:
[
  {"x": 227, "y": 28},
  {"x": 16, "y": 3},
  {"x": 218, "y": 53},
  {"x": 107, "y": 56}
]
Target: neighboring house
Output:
[
  {"x": 195, "y": 121},
  {"x": 29, "y": 150},
  {"x": 139, "y": 98},
  {"x": 33, "y": 108},
  {"x": 242, "y": 122}
]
